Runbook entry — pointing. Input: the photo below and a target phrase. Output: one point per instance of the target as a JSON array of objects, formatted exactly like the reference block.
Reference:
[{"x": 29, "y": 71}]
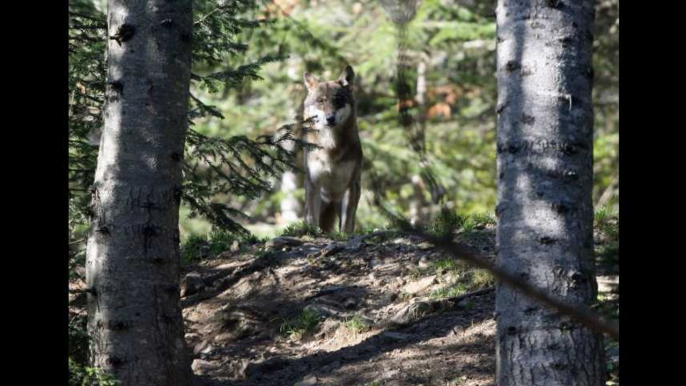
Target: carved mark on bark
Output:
[
  {"x": 185, "y": 37},
  {"x": 566, "y": 326},
  {"x": 115, "y": 361},
  {"x": 115, "y": 90},
  {"x": 119, "y": 325},
  {"x": 528, "y": 119},
  {"x": 499, "y": 109},
  {"x": 511, "y": 66},
  {"x": 554, "y": 3},
  {"x": 566, "y": 40},
  {"x": 124, "y": 33},
  {"x": 562, "y": 207},
  {"x": 536, "y": 25},
  {"x": 541, "y": 146},
  {"x": 547, "y": 240},
  {"x": 149, "y": 232},
  {"x": 566, "y": 175}
]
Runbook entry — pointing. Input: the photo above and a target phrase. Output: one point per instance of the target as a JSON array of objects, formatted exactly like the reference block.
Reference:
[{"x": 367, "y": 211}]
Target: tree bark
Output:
[
  {"x": 290, "y": 207},
  {"x": 545, "y": 209},
  {"x": 418, "y": 207},
  {"x": 132, "y": 270}
]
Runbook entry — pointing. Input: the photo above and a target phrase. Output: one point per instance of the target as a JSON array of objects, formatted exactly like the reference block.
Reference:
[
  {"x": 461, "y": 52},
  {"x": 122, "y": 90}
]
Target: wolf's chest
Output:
[{"x": 331, "y": 175}]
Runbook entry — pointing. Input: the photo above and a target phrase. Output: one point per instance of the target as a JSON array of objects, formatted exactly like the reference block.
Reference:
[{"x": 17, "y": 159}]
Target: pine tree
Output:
[
  {"x": 132, "y": 267},
  {"x": 545, "y": 169},
  {"x": 208, "y": 166}
]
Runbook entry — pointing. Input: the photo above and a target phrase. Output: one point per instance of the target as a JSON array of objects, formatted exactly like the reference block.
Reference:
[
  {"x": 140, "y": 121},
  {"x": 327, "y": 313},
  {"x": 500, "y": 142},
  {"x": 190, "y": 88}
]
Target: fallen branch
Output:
[
  {"x": 576, "y": 312},
  {"x": 413, "y": 312},
  {"x": 579, "y": 313}
]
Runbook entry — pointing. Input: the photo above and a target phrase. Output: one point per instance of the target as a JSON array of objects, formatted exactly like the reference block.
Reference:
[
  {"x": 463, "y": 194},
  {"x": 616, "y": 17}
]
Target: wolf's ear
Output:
[
  {"x": 347, "y": 77},
  {"x": 310, "y": 81}
]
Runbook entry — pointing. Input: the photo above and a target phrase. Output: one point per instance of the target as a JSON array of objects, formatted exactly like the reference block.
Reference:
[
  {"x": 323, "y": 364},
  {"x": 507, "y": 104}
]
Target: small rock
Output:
[
  {"x": 390, "y": 373},
  {"x": 424, "y": 263},
  {"x": 331, "y": 249},
  {"x": 410, "y": 313},
  {"x": 224, "y": 336},
  {"x": 81, "y": 271},
  {"x": 322, "y": 310},
  {"x": 202, "y": 348},
  {"x": 464, "y": 303},
  {"x": 239, "y": 368},
  {"x": 201, "y": 366},
  {"x": 425, "y": 245},
  {"x": 450, "y": 277},
  {"x": 309, "y": 380},
  {"x": 391, "y": 336},
  {"x": 420, "y": 285},
  {"x": 350, "y": 303},
  {"x": 282, "y": 241},
  {"x": 192, "y": 284}
]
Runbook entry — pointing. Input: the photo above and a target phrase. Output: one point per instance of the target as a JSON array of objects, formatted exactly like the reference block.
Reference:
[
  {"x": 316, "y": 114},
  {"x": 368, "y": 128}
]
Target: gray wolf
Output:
[{"x": 333, "y": 170}]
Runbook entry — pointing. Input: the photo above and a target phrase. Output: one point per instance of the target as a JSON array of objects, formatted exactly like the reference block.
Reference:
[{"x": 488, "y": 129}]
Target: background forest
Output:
[
  {"x": 249, "y": 57},
  {"x": 248, "y": 83}
]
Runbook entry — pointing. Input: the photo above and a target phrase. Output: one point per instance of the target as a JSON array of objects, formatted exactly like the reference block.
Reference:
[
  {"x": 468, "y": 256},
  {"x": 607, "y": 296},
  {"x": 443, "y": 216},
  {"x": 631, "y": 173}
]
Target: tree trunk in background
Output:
[
  {"x": 545, "y": 167},
  {"x": 134, "y": 317},
  {"x": 290, "y": 206},
  {"x": 419, "y": 209}
]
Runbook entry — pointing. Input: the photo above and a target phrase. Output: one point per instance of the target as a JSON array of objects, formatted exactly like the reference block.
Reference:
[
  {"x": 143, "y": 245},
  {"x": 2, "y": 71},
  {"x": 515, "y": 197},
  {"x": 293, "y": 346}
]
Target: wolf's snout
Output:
[{"x": 331, "y": 119}]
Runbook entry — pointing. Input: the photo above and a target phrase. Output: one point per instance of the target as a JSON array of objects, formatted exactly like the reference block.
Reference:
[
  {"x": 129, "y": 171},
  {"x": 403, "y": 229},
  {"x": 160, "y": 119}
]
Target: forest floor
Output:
[{"x": 366, "y": 311}]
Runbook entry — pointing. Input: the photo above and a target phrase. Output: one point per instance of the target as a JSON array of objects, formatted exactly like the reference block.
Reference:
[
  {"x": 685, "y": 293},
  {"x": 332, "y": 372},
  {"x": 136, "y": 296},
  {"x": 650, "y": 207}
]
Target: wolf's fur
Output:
[{"x": 332, "y": 184}]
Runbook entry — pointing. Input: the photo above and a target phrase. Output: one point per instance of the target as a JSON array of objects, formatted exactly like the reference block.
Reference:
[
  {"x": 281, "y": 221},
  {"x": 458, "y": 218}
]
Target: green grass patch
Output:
[
  {"x": 304, "y": 323},
  {"x": 356, "y": 324},
  {"x": 450, "y": 291},
  {"x": 447, "y": 264},
  {"x": 606, "y": 226},
  {"x": 480, "y": 278},
  {"x": 300, "y": 229},
  {"x": 201, "y": 247},
  {"x": 80, "y": 375},
  {"x": 448, "y": 222}
]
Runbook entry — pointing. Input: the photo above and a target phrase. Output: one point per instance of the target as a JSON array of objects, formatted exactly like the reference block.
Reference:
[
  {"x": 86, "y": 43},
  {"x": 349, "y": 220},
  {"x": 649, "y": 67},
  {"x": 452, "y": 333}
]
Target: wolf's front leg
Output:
[
  {"x": 313, "y": 196},
  {"x": 349, "y": 207}
]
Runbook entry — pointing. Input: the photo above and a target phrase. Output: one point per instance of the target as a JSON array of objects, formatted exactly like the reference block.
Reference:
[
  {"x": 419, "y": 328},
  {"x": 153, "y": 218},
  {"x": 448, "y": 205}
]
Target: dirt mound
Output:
[{"x": 369, "y": 311}]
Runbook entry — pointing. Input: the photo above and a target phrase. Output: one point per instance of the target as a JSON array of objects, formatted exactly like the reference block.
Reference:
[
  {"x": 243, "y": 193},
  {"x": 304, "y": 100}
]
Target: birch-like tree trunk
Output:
[
  {"x": 132, "y": 270},
  {"x": 290, "y": 207},
  {"x": 545, "y": 167}
]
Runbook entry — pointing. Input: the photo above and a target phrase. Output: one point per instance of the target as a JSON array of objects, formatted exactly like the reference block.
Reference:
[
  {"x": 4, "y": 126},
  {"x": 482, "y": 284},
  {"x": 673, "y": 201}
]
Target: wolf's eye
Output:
[
  {"x": 321, "y": 99},
  {"x": 339, "y": 101}
]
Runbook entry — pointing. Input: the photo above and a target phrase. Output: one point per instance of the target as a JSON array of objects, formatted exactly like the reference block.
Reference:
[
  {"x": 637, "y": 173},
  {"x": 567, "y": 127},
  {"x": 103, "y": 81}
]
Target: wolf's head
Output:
[{"x": 330, "y": 103}]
